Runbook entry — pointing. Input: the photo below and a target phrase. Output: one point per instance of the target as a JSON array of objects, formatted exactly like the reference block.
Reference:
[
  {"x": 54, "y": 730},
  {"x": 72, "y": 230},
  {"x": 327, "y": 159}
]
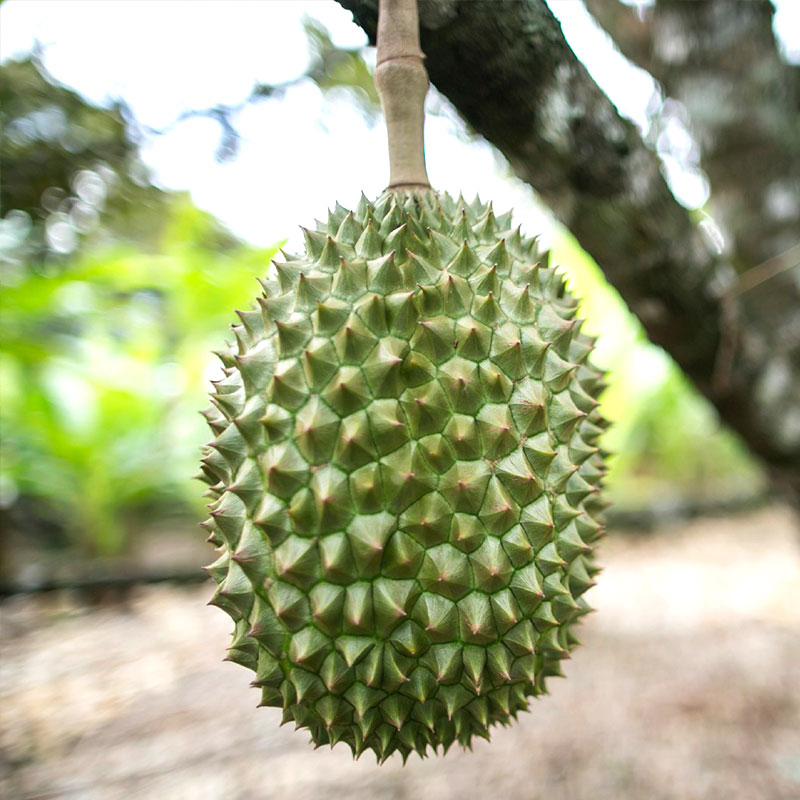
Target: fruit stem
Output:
[{"x": 402, "y": 83}]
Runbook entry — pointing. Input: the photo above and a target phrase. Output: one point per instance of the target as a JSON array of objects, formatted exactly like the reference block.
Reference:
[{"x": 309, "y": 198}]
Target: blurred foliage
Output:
[
  {"x": 114, "y": 292},
  {"x": 103, "y": 367},
  {"x": 64, "y": 163},
  {"x": 113, "y": 295},
  {"x": 337, "y": 69}
]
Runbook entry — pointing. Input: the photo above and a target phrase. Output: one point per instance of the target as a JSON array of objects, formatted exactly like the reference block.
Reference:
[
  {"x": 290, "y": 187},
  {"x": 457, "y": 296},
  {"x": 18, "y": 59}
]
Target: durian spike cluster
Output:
[{"x": 405, "y": 477}]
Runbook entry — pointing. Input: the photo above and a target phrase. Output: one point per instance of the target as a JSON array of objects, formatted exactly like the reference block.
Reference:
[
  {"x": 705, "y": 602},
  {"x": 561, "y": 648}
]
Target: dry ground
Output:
[{"x": 687, "y": 686}]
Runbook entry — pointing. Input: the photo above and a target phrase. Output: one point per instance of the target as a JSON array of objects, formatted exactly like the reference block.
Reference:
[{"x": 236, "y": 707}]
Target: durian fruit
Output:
[{"x": 405, "y": 476}]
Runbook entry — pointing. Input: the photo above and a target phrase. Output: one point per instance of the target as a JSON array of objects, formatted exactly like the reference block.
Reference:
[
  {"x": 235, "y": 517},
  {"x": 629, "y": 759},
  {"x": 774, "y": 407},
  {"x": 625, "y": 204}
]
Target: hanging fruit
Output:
[{"x": 405, "y": 472}]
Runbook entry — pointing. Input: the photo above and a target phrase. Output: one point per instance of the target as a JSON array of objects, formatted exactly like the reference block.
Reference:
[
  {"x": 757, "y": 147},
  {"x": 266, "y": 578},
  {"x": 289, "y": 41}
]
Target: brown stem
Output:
[{"x": 402, "y": 83}]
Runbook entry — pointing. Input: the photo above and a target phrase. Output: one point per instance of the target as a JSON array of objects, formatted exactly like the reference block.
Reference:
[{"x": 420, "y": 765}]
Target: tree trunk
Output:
[
  {"x": 720, "y": 60},
  {"x": 508, "y": 70}
]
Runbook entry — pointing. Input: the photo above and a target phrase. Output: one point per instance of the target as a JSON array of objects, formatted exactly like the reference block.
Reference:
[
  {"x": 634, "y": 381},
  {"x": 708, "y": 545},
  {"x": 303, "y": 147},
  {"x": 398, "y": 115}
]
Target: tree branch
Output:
[{"x": 507, "y": 68}]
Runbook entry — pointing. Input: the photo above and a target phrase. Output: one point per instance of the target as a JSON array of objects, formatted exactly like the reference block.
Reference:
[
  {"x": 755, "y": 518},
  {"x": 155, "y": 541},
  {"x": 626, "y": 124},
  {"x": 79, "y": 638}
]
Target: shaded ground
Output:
[{"x": 687, "y": 686}]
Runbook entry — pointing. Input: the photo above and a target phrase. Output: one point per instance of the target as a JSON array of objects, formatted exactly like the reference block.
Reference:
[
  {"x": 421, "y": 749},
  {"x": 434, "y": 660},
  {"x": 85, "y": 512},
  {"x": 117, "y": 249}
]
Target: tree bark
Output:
[
  {"x": 508, "y": 70},
  {"x": 720, "y": 60}
]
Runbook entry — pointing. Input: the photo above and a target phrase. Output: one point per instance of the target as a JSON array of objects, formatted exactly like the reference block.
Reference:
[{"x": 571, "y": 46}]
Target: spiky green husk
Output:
[{"x": 405, "y": 477}]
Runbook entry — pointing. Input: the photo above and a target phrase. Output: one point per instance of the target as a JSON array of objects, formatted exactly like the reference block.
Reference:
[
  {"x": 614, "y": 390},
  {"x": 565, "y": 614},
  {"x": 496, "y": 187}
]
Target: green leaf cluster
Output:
[{"x": 102, "y": 366}]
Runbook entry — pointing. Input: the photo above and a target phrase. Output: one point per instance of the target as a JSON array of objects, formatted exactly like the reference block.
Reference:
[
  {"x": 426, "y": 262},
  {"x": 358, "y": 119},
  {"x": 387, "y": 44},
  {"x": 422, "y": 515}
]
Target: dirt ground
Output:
[{"x": 687, "y": 687}]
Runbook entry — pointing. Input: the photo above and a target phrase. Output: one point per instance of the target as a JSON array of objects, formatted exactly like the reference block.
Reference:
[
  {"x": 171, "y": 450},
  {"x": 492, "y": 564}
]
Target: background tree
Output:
[
  {"x": 114, "y": 292},
  {"x": 71, "y": 171},
  {"x": 729, "y": 319}
]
